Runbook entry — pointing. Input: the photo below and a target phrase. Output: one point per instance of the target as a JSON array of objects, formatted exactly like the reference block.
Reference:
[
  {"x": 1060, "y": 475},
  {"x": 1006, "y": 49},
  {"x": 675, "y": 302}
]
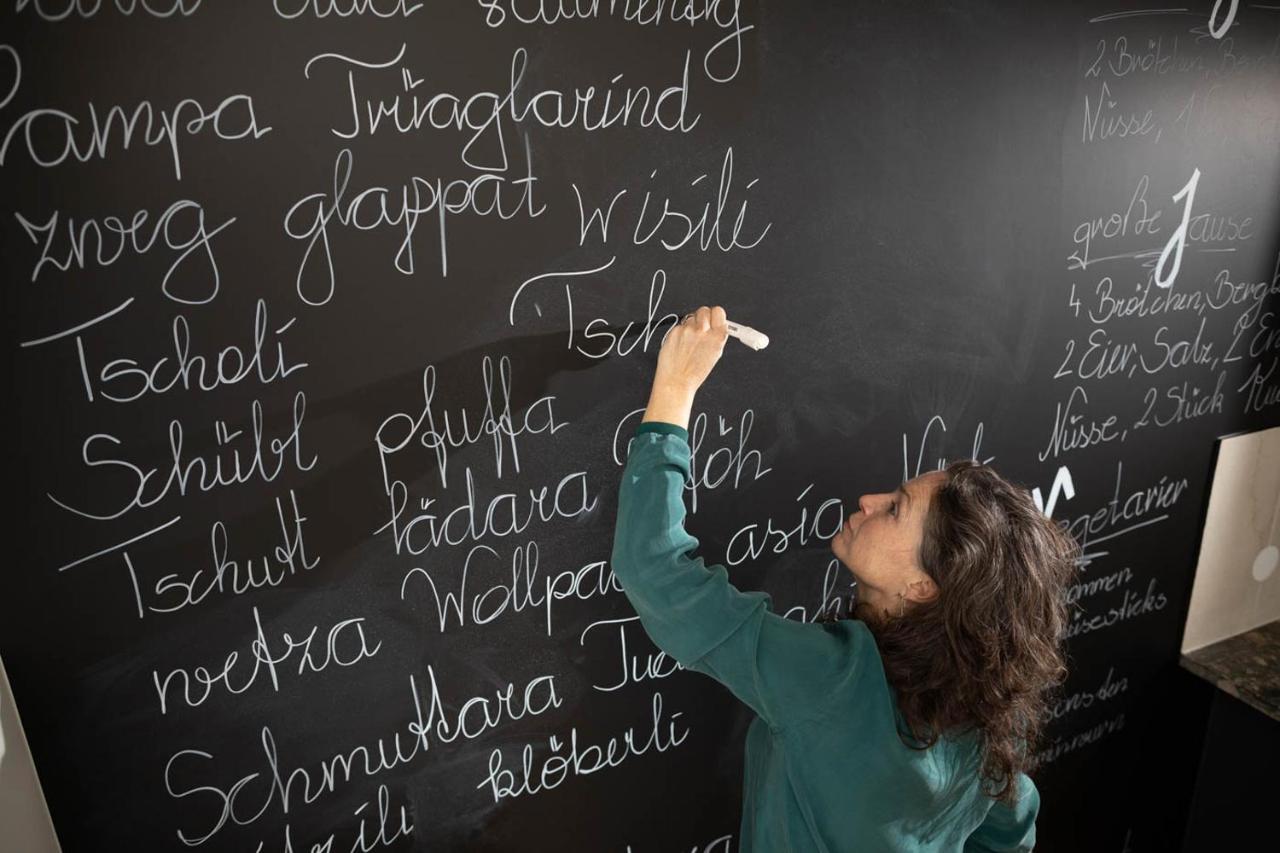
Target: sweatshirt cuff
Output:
[{"x": 663, "y": 428}]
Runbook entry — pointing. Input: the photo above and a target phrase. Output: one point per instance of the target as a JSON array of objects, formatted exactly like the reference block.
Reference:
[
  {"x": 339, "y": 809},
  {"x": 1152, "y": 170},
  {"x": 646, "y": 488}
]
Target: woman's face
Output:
[{"x": 880, "y": 543}]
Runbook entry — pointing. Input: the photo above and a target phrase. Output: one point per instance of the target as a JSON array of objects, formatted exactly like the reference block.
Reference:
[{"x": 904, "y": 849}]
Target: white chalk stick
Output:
[{"x": 749, "y": 336}]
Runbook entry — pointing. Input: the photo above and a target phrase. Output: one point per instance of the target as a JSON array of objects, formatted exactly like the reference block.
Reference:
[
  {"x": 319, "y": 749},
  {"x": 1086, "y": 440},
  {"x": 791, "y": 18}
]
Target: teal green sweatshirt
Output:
[{"x": 825, "y": 769}]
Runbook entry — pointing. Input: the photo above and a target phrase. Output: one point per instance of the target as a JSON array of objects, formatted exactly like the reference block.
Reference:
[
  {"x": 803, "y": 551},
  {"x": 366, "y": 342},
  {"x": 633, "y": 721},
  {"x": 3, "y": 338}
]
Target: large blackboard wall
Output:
[{"x": 324, "y": 364}]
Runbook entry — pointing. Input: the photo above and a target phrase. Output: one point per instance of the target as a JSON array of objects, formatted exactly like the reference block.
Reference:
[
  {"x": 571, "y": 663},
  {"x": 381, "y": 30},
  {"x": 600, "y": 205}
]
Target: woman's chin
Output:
[{"x": 843, "y": 557}]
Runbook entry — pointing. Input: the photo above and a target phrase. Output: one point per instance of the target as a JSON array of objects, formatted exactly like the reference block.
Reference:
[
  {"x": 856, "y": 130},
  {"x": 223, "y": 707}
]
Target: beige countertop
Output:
[{"x": 1247, "y": 666}]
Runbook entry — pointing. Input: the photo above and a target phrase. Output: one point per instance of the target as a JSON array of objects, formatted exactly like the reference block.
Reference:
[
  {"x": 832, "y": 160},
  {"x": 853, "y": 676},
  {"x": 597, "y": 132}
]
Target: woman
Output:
[{"x": 906, "y": 727}]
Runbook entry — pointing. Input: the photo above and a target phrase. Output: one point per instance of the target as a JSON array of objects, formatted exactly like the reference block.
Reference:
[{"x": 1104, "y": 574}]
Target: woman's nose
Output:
[{"x": 868, "y": 503}]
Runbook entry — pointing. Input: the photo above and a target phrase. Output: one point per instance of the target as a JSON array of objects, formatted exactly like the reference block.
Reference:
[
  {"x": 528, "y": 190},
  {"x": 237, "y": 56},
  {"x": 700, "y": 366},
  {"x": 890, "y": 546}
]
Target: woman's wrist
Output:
[{"x": 670, "y": 402}]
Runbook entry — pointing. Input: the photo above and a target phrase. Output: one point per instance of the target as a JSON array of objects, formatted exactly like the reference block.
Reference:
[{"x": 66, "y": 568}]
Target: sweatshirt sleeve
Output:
[
  {"x": 782, "y": 668},
  {"x": 1009, "y": 830}
]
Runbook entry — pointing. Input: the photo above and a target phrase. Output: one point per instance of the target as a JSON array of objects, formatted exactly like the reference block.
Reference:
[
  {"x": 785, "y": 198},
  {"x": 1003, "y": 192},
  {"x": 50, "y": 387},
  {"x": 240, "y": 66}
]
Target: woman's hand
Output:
[
  {"x": 689, "y": 351},
  {"x": 691, "y": 348}
]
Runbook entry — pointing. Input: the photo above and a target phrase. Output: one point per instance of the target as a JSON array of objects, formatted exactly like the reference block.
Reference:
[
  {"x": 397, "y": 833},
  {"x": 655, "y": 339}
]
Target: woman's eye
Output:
[{"x": 893, "y": 509}]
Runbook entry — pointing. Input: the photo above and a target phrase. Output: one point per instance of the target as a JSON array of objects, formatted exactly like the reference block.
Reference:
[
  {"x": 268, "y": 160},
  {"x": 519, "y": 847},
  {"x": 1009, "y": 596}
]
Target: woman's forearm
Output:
[
  {"x": 687, "y": 607},
  {"x": 670, "y": 402}
]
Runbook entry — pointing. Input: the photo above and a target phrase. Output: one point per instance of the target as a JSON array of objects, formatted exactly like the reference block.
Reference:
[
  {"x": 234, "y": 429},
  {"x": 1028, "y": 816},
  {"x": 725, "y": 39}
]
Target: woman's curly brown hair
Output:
[{"x": 987, "y": 653}]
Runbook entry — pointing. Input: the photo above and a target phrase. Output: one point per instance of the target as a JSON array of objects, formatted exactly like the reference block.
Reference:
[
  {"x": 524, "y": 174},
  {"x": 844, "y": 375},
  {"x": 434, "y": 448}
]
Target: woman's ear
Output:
[{"x": 922, "y": 589}]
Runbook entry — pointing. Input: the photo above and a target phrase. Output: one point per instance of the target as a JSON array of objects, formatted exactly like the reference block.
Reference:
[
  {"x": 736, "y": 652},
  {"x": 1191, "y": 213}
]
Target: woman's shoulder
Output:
[
  {"x": 850, "y": 646},
  {"x": 850, "y": 636},
  {"x": 861, "y": 640}
]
